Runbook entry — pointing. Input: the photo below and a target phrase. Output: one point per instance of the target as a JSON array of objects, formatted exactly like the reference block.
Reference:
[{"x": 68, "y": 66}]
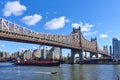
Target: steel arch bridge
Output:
[{"x": 75, "y": 41}]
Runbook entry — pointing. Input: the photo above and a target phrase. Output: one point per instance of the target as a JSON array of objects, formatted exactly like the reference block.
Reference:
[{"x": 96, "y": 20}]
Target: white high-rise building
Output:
[
  {"x": 44, "y": 53},
  {"x": 56, "y": 52}
]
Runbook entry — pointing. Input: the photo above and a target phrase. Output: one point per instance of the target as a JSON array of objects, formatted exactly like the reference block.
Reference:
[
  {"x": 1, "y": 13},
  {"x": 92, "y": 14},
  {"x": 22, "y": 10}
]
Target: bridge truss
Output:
[{"x": 75, "y": 40}]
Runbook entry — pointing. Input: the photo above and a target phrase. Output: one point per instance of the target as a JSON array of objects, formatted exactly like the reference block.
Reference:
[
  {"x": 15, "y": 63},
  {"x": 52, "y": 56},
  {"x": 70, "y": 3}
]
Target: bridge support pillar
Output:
[
  {"x": 85, "y": 55},
  {"x": 73, "y": 52},
  {"x": 72, "y": 56},
  {"x": 81, "y": 56},
  {"x": 93, "y": 54}
]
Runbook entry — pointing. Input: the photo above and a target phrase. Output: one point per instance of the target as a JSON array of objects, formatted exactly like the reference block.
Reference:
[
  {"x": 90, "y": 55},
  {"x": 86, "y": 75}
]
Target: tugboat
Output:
[{"x": 37, "y": 63}]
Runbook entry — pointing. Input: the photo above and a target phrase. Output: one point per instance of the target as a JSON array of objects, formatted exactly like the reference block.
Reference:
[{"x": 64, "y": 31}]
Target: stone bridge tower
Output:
[
  {"x": 94, "y": 40},
  {"x": 76, "y": 51}
]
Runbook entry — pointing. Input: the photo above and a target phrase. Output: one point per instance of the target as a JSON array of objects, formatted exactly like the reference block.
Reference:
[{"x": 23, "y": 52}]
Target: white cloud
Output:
[
  {"x": 90, "y": 33},
  {"x": 75, "y": 25},
  {"x": 103, "y": 35},
  {"x": 32, "y": 20},
  {"x": 56, "y": 23},
  {"x": 84, "y": 27},
  {"x": 14, "y": 8},
  {"x": 2, "y": 45},
  {"x": 34, "y": 47},
  {"x": 22, "y": 49}
]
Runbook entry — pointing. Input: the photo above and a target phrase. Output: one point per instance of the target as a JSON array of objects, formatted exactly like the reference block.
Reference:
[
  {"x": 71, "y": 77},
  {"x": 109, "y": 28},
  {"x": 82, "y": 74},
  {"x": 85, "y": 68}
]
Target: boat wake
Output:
[
  {"x": 42, "y": 72},
  {"x": 38, "y": 72}
]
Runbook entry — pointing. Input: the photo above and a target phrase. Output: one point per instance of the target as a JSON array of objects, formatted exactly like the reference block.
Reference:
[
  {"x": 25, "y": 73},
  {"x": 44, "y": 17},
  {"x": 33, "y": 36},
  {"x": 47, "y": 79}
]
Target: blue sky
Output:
[{"x": 97, "y": 18}]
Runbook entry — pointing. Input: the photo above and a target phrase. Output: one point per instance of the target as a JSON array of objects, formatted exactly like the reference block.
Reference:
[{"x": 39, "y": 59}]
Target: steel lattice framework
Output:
[{"x": 13, "y": 32}]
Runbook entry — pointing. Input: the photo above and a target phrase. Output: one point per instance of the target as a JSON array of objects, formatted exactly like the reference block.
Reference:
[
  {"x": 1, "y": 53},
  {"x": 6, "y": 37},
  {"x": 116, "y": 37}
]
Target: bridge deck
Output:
[{"x": 13, "y": 32}]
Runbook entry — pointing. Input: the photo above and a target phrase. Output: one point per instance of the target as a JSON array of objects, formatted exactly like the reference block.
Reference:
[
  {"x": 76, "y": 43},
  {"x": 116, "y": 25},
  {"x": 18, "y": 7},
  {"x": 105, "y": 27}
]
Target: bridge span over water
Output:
[{"x": 75, "y": 41}]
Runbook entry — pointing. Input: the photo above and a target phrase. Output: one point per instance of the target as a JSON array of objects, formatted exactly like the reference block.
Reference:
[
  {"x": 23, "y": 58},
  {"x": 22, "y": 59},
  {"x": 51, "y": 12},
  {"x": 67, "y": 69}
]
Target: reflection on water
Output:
[
  {"x": 65, "y": 72},
  {"x": 92, "y": 72}
]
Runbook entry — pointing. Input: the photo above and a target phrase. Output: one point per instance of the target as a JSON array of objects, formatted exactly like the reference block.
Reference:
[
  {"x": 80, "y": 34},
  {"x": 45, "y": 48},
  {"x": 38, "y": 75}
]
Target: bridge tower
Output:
[
  {"x": 75, "y": 51},
  {"x": 105, "y": 48},
  {"x": 94, "y": 53}
]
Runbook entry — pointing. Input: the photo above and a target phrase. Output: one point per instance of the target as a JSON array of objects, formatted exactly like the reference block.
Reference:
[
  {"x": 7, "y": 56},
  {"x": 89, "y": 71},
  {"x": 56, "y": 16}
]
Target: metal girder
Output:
[{"x": 13, "y": 32}]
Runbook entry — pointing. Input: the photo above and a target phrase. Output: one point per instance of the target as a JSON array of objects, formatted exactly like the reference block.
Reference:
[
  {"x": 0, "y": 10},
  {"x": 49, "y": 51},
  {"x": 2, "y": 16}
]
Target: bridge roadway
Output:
[{"x": 75, "y": 41}]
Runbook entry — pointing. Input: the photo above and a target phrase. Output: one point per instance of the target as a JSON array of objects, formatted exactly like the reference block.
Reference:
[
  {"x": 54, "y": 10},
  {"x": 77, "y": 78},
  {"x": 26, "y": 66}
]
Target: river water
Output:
[{"x": 64, "y": 72}]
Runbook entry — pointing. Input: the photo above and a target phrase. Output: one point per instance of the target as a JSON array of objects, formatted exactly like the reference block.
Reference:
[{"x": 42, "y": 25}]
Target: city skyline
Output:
[{"x": 97, "y": 19}]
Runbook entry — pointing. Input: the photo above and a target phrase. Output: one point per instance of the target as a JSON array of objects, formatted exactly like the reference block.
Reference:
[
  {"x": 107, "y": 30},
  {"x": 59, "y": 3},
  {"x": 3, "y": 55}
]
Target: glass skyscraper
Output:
[{"x": 116, "y": 48}]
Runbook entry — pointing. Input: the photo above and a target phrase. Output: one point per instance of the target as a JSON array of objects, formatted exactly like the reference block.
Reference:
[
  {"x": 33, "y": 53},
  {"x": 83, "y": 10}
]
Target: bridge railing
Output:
[
  {"x": 15, "y": 28},
  {"x": 12, "y": 27}
]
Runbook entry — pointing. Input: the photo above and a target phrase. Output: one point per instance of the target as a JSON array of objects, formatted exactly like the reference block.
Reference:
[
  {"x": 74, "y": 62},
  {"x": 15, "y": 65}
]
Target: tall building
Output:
[
  {"x": 110, "y": 50},
  {"x": 36, "y": 53},
  {"x": 44, "y": 53},
  {"x": 56, "y": 52},
  {"x": 116, "y": 48},
  {"x": 4, "y": 55},
  {"x": 27, "y": 55}
]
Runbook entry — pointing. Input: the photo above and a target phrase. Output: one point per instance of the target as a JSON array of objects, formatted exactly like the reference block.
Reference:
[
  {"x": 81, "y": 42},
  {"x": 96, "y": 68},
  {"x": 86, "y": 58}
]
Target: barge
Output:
[{"x": 38, "y": 63}]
